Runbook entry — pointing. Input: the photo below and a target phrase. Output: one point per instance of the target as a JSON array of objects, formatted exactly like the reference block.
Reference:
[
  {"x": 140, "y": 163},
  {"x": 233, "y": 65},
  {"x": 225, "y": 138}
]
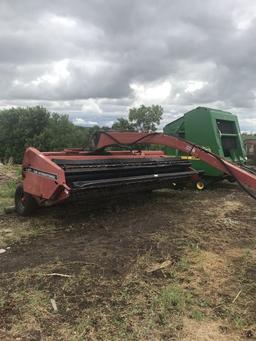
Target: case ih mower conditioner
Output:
[{"x": 73, "y": 174}]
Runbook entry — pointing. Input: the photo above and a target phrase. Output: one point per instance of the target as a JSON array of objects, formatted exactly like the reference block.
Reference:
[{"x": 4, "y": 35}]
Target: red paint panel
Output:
[{"x": 42, "y": 177}]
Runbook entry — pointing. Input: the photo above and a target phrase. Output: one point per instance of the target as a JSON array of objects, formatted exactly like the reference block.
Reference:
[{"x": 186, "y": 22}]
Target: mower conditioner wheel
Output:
[
  {"x": 200, "y": 185},
  {"x": 25, "y": 204}
]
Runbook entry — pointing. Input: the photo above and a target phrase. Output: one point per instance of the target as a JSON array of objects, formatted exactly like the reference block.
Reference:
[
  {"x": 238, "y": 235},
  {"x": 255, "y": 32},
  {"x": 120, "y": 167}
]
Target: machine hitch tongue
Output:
[{"x": 53, "y": 177}]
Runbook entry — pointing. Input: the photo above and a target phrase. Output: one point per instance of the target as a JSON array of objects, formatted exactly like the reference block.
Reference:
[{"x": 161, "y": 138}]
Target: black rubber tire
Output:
[{"x": 25, "y": 204}]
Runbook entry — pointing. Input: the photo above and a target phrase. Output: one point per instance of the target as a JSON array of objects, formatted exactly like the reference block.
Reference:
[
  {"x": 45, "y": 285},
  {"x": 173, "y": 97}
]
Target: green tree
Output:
[
  {"x": 60, "y": 133},
  {"x": 123, "y": 124},
  {"x": 18, "y": 126},
  {"x": 146, "y": 118},
  {"x": 37, "y": 127},
  {"x": 140, "y": 119}
]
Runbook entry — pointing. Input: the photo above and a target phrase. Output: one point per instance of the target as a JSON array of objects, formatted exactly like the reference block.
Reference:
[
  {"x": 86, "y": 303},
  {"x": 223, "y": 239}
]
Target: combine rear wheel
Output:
[{"x": 25, "y": 204}]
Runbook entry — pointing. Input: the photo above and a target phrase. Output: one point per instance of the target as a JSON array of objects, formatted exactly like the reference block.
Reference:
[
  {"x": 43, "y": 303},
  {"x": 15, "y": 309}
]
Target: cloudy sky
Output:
[{"x": 94, "y": 59}]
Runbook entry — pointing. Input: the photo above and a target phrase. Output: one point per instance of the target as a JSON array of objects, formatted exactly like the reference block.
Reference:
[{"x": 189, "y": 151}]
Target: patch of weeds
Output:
[
  {"x": 15, "y": 229},
  {"x": 239, "y": 314},
  {"x": 107, "y": 326},
  {"x": 13, "y": 235},
  {"x": 167, "y": 310},
  {"x": 160, "y": 237},
  {"x": 197, "y": 315},
  {"x": 242, "y": 264},
  {"x": 121, "y": 326},
  {"x": 27, "y": 309},
  {"x": 172, "y": 298},
  {"x": 82, "y": 329},
  {"x": 183, "y": 264},
  {"x": 134, "y": 315},
  {"x": 192, "y": 246},
  {"x": 10, "y": 169},
  {"x": 32, "y": 305},
  {"x": 7, "y": 190},
  {"x": 172, "y": 274},
  {"x": 2, "y": 298},
  {"x": 239, "y": 322},
  {"x": 18, "y": 172},
  {"x": 247, "y": 256},
  {"x": 205, "y": 302}
]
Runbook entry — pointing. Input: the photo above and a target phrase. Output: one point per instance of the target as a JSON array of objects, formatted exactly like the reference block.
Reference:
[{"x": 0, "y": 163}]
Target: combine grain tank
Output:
[{"x": 215, "y": 130}]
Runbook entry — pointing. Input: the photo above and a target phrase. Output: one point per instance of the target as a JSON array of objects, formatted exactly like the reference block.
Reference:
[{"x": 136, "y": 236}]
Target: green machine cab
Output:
[{"x": 215, "y": 130}]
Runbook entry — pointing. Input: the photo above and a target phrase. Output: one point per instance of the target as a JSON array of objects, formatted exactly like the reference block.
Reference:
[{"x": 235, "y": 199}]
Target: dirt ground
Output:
[{"x": 169, "y": 265}]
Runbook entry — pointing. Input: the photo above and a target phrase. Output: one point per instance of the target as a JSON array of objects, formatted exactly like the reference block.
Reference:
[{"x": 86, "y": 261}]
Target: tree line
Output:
[{"x": 37, "y": 127}]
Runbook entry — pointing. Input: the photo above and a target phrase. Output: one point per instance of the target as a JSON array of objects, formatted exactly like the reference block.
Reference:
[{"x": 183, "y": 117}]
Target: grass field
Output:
[{"x": 169, "y": 265}]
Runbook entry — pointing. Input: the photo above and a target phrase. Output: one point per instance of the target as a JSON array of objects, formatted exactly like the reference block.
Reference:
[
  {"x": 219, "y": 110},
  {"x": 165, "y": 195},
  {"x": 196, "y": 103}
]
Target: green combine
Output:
[{"x": 215, "y": 130}]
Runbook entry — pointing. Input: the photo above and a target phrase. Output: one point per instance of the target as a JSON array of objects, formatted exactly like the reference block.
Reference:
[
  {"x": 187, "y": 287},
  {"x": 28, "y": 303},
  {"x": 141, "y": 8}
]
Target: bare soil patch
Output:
[{"x": 161, "y": 266}]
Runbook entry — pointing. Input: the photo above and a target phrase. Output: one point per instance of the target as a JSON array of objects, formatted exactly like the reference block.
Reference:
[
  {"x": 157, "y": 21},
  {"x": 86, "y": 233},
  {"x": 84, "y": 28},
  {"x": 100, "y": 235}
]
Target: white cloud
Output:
[
  {"x": 84, "y": 123},
  {"x": 79, "y": 121},
  {"x": 194, "y": 85},
  {"x": 244, "y": 16},
  {"x": 61, "y": 21},
  {"x": 248, "y": 125},
  {"x": 91, "y": 106},
  {"x": 151, "y": 94},
  {"x": 58, "y": 73}
]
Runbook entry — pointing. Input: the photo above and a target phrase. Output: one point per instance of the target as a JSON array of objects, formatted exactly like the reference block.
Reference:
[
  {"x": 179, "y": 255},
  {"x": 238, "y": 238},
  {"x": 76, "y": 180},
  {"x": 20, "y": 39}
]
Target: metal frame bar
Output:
[{"x": 107, "y": 139}]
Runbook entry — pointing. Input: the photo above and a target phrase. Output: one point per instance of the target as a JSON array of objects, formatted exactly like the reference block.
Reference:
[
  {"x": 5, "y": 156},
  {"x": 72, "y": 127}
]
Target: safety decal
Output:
[{"x": 40, "y": 173}]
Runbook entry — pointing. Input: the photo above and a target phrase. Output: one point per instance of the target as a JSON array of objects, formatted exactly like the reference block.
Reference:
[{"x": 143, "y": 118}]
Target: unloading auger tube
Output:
[{"x": 111, "y": 138}]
